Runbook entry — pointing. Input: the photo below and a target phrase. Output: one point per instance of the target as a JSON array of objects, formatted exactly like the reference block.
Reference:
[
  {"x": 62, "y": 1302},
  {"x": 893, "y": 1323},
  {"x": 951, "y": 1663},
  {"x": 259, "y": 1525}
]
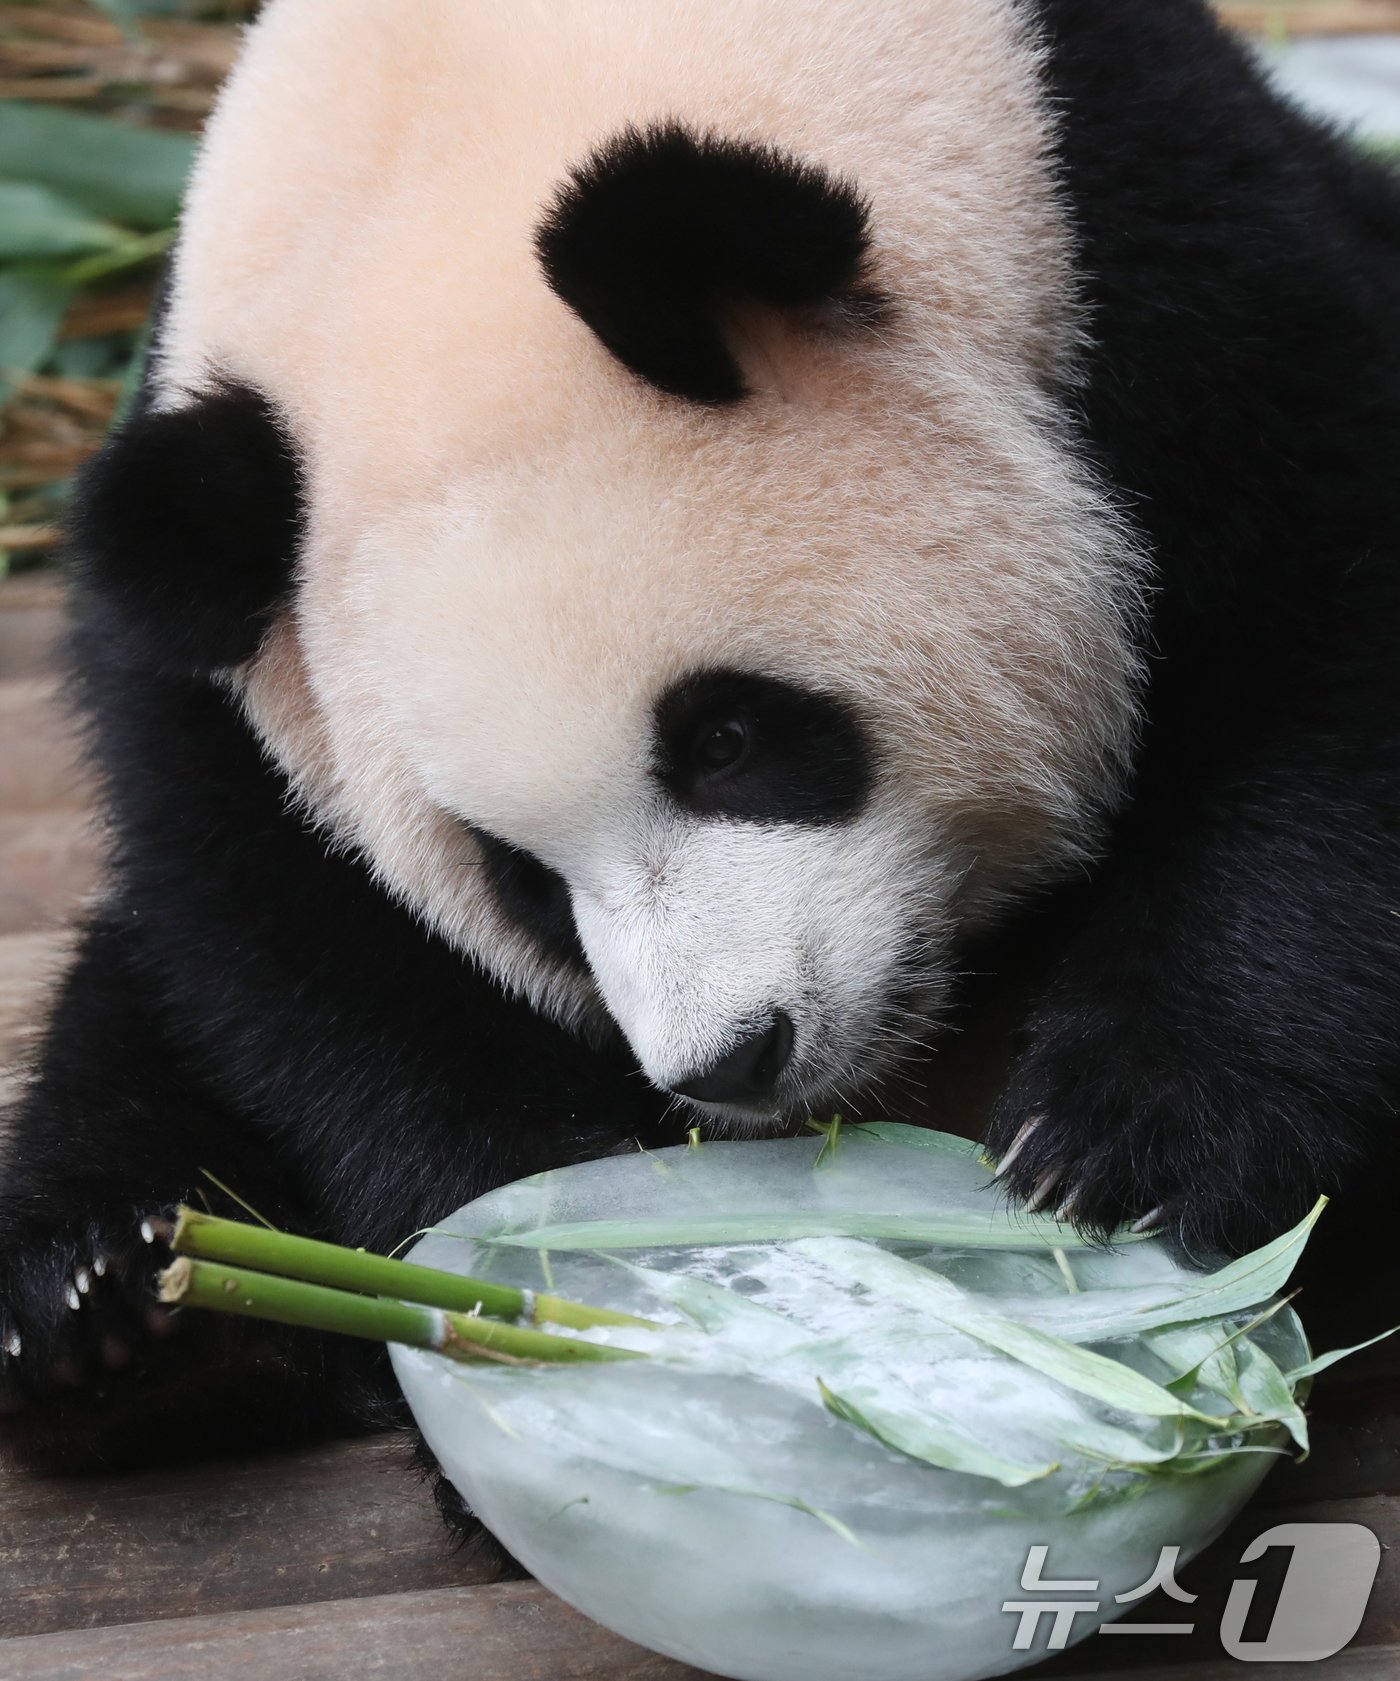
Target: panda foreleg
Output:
[
  {"x": 1218, "y": 1039},
  {"x": 112, "y": 1132}
]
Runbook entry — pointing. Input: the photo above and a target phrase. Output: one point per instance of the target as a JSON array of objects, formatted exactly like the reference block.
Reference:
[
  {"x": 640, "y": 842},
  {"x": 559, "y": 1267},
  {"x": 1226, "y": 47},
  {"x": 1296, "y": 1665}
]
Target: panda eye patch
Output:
[
  {"x": 731, "y": 744},
  {"x": 535, "y": 897}
]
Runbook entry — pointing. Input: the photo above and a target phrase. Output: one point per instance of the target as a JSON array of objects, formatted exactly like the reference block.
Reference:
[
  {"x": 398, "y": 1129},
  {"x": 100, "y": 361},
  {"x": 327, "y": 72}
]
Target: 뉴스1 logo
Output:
[{"x": 1331, "y": 1571}]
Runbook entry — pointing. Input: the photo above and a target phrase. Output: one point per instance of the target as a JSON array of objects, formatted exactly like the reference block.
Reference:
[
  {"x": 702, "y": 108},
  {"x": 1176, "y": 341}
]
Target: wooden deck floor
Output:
[{"x": 330, "y": 1562}]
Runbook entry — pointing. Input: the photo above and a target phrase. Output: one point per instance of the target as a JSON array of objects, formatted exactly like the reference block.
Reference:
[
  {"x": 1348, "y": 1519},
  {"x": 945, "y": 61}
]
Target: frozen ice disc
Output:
[{"x": 875, "y": 1390}]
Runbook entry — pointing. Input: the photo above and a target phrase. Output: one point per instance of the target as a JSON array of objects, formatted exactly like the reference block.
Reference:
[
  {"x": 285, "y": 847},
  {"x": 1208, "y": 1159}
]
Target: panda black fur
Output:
[{"x": 1215, "y": 1030}]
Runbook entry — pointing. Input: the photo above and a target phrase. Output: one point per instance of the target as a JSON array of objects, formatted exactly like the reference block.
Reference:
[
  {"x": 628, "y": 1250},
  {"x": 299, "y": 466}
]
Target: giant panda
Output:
[{"x": 659, "y": 548}]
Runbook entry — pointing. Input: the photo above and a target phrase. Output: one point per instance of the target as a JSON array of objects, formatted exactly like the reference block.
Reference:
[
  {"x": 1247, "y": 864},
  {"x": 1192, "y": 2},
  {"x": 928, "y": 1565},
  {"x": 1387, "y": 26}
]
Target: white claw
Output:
[
  {"x": 75, "y": 1301},
  {"x": 1153, "y": 1218},
  {"x": 1014, "y": 1148},
  {"x": 1065, "y": 1212},
  {"x": 99, "y": 1266},
  {"x": 13, "y": 1346},
  {"x": 83, "y": 1280},
  {"x": 148, "y": 1232},
  {"x": 1044, "y": 1189}
]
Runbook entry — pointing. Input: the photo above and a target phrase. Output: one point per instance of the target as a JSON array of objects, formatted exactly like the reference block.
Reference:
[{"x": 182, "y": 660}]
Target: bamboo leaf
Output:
[
  {"x": 916, "y": 1138},
  {"x": 1254, "y": 1277},
  {"x": 110, "y": 169},
  {"x": 1264, "y": 1392},
  {"x": 928, "y": 1293},
  {"x": 1199, "y": 1356},
  {"x": 925, "y": 1434},
  {"x": 1204, "y": 1460},
  {"x": 133, "y": 250},
  {"x": 1102, "y": 1314},
  {"x": 32, "y": 307},
  {"x": 35, "y": 222},
  {"x": 1321, "y": 1362},
  {"x": 994, "y": 1229}
]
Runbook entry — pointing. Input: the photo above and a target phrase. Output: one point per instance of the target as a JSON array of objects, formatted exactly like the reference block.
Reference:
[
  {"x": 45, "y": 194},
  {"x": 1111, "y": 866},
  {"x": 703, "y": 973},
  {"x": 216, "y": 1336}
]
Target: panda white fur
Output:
[{"x": 652, "y": 535}]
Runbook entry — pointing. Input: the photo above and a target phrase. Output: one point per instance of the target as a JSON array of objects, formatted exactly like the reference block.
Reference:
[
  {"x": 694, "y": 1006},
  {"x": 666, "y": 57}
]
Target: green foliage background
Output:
[{"x": 100, "y": 102}]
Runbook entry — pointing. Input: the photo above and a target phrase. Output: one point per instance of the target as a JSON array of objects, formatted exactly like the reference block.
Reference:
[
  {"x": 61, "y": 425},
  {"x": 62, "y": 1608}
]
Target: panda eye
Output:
[
  {"x": 738, "y": 747},
  {"x": 720, "y": 747}
]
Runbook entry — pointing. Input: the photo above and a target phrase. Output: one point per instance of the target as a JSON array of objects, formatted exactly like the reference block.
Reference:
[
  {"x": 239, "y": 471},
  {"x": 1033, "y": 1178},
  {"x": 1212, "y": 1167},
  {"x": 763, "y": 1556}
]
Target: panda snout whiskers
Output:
[{"x": 777, "y": 1072}]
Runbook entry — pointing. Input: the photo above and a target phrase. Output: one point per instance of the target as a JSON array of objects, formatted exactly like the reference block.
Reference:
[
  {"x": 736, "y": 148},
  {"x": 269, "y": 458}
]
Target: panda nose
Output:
[{"x": 748, "y": 1071}]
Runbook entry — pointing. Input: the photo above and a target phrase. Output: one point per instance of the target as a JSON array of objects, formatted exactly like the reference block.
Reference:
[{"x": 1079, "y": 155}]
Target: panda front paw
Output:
[
  {"x": 78, "y": 1309},
  {"x": 118, "y": 1380},
  {"x": 468, "y": 1535},
  {"x": 1110, "y": 1122}
]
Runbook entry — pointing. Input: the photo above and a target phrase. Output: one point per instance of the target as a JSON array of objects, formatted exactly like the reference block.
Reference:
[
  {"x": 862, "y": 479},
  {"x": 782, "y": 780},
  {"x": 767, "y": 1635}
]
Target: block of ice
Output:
[{"x": 874, "y": 1390}]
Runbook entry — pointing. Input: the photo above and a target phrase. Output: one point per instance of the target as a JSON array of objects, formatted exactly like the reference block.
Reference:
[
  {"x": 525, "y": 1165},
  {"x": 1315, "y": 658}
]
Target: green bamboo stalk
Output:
[
  {"x": 212, "y": 1239},
  {"x": 289, "y": 1301}
]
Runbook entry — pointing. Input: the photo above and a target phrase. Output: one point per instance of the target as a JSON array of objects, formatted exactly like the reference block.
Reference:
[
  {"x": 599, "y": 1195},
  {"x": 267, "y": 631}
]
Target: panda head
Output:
[{"x": 693, "y": 606}]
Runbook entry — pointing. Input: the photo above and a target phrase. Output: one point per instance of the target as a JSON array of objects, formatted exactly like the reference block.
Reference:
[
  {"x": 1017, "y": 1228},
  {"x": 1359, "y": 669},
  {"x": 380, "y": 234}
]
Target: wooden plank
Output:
[
  {"x": 1376, "y": 1663},
  {"x": 348, "y": 1519},
  {"x": 30, "y": 625},
  {"x": 510, "y": 1632},
  {"x": 29, "y": 592},
  {"x": 515, "y": 1631},
  {"x": 38, "y": 757},
  {"x": 343, "y": 1520},
  {"x": 1313, "y": 17},
  {"x": 48, "y": 863}
]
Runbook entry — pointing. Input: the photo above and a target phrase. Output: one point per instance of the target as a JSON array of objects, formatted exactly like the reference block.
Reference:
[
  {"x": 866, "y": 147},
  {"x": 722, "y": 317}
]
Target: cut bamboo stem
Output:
[
  {"x": 210, "y": 1238},
  {"x": 290, "y": 1301}
]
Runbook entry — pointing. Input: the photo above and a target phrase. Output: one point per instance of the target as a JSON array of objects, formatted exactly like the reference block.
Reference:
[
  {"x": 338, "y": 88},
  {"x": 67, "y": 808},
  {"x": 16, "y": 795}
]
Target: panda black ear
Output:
[
  {"x": 659, "y": 227},
  {"x": 183, "y": 530}
]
